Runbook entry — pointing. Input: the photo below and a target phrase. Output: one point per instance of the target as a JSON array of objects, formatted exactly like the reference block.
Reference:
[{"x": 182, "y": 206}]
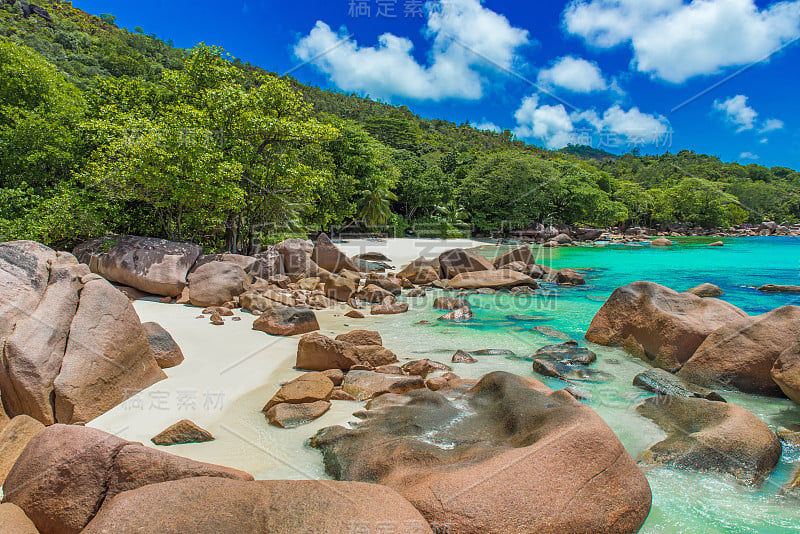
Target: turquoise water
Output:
[{"x": 682, "y": 501}]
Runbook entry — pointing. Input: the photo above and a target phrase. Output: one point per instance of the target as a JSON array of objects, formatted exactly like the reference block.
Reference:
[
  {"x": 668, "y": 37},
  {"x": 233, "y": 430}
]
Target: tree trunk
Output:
[{"x": 231, "y": 235}]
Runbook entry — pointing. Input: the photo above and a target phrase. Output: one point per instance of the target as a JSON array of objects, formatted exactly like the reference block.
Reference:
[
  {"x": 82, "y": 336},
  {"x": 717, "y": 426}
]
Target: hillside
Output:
[{"x": 95, "y": 148}]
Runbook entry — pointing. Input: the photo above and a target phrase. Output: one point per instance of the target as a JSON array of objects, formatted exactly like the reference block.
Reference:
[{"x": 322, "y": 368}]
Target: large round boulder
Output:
[
  {"x": 657, "y": 324},
  {"x": 107, "y": 358},
  {"x": 507, "y": 456},
  {"x": 457, "y": 261},
  {"x": 500, "y": 279},
  {"x": 741, "y": 354},
  {"x": 316, "y": 352},
  {"x": 285, "y": 321},
  {"x": 420, "y": 271},
  {"x": 786, "y": 372},
  {"x": 219, "y": 506},
  {"x": 216, "y": 283},
  {"x": 520, "y": 254},
  {"x": 74, "y": 346},
  {"x": 148, "y": 264},
  {"x": 704, "y": 435},
  {"x": 329, "y": 257},
  {"x": 66, "y": 472}
]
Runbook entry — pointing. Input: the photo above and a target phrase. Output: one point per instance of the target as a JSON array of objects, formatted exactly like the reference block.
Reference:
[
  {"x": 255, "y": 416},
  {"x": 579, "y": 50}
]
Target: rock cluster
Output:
[
  {"x": 73, "y": 347},
  {"x": 707, "y": 342}
]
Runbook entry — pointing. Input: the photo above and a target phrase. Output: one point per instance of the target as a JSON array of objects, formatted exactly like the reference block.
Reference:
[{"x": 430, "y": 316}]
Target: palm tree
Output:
[{"x": 376, "y": 206}]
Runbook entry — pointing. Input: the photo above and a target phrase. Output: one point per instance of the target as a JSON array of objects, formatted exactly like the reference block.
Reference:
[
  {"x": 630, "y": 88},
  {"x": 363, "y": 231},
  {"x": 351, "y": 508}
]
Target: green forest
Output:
[{"x": 106, "y": 130}]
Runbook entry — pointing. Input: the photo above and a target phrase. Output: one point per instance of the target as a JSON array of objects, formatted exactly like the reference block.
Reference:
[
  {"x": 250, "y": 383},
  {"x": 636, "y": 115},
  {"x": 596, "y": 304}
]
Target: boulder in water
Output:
[
  {"x": 703, "y": 435},
  {"x": 742, "y": 354},
  {"x": 706, "y": 291},
  {"x": 657, "y": 324},
  {"x": 507, "y": 455}
]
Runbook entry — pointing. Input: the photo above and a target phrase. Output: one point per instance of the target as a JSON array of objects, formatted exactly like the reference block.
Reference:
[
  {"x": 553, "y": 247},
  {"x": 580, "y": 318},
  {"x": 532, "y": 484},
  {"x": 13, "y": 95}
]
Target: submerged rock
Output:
[
  {"x": 568, "y": 372},
  {"x": 365, "y": 385},
  {"x": 568, "y": 352},
  {"x": 703, "y": 435},
  {"x": 493, "y": 352},
  {"x": 771, "y": 288},
  {"x": 657, "y": 324},
  {"x": 508, "y": 455},
  {"x": 450, "y": 303},
  {"x": 459, "y": 315},
  {"x": 499, "y": 279},
  {"x": 663, "y": 382}
]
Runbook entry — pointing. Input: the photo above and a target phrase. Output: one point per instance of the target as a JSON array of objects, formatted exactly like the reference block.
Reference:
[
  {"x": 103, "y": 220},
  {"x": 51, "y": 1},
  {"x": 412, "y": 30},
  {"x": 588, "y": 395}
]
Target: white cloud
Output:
[
  {"x": 748, "y": 155},
  {"x": 737, "y": 112},
  {"x": 551, "y": 124},
  {"x": 574, "y": 74},
  {"x": 487, "y": 125},
  {"x": 674, "y": 40},
  {"x": 556, "y": 128},
  {"x": 770, "y": 125},
  {"x": 390, "y": 69}
]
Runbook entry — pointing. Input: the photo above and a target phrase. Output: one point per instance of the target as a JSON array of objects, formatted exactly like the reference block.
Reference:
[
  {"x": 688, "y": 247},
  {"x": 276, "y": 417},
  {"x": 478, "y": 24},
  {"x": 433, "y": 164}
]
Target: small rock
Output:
[
  {"x": 334, "y": 375},
  {"x": 294, "y": 415},
  {"x": 661, "y": 242},
  {"x": 389, "y": 308},
  {"x": 307, "y": 388},
  {"x": 436, "y": 383},
  {"x": 450, "y": 303},
  {"x": 217, "y": 320},
  {"x": 462, "y": 357},
  {"x": 342, "y": 396},
  {"x": 182, "y": 432},
  {"x": 354, "y": 314},
  {"x": 706, "y": 291},
  {"x": 459, "y": 315},
  {"x": 167, "y": 353}
]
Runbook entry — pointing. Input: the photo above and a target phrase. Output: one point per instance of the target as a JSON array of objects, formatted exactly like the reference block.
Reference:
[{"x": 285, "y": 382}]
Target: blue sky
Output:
[{"x": 611, "y": 73}]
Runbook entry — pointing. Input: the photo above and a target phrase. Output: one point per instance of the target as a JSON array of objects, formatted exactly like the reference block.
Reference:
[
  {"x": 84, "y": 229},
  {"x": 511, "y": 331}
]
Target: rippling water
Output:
[{"x": 682, "y": 501}]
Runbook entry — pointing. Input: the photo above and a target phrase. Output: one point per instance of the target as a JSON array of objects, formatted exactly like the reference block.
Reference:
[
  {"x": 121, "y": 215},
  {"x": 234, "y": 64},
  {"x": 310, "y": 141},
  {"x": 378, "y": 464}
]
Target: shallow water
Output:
[{"x": 682, "y": 501}]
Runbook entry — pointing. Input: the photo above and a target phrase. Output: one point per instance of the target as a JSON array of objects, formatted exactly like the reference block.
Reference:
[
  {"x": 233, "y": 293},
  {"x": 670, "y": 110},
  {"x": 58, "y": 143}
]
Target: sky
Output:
[{"x": 715, "y": 76}]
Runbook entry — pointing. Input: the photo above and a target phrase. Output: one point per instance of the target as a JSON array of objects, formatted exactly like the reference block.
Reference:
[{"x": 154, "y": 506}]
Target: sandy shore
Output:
[
  {"x": 231, "y": 371},
  {"x": 228, "y": 375}
]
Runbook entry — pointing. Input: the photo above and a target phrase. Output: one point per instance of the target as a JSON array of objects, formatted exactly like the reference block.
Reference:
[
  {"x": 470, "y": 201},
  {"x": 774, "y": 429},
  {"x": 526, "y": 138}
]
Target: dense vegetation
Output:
[{"x": 107, "y": 130}]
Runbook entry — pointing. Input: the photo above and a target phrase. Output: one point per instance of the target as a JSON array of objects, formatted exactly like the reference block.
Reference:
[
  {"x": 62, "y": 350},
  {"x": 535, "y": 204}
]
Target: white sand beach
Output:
[
  {"x": 231, "y": 371},
  {"x": 404, "y": 251}
]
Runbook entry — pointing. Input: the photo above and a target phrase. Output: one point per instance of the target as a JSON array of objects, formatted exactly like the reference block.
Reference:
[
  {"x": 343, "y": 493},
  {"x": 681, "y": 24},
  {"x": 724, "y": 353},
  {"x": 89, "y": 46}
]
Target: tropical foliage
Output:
[{"x": 108, "y": 130}]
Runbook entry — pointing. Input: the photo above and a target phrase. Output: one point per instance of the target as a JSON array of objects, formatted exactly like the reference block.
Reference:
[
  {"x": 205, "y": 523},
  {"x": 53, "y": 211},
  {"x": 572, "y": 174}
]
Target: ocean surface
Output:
[{"x": 683, "y": 501}]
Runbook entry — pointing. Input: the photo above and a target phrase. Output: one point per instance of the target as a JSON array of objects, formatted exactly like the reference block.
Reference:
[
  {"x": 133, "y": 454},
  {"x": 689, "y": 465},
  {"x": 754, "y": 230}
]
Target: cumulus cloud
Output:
[
  {"x": 390, "y": 69},
  {"x": 770, "y": 125},
  {"x": 574, "y": 74},
  {"x": 737, "y": 112},
  {"x": 487, "y": 125},
  {"x": 550, "y": 124},
  {"x": 556, "y": 128},
  {"x": 674, "y": 40},
  {"x": 748, "y": 155}
]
